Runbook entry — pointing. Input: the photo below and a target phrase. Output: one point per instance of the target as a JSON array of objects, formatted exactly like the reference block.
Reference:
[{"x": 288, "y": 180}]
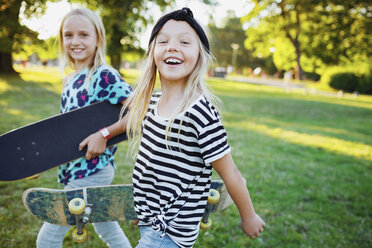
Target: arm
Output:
[
  {"x": 97, "y": 143},
  {"x": 251, "y": 223}
]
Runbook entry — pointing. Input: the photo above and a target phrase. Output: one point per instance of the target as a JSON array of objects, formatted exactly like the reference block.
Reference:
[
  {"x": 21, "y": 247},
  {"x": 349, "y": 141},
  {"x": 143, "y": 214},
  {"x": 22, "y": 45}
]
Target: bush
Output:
[
  {"x": 350, "y": 82},
  {"x": 365, "y": 85},
  {"x": 345, "y": 81}
]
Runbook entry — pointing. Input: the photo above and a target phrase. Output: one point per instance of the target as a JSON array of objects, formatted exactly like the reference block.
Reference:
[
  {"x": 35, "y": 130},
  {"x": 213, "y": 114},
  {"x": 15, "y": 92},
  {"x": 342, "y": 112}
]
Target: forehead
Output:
[
  {"x": 177, "y": 28},
  {"x": 78, "y": 22}
]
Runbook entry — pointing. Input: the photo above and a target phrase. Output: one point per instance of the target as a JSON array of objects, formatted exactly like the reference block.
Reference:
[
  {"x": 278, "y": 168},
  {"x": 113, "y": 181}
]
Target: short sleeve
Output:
[
  {"x": 213, "y": 141},
  {"x": 110, "y": 86}
]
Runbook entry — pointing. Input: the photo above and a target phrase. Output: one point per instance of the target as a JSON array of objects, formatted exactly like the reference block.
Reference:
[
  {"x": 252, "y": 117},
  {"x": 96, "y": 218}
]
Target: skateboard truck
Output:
[
  {"x": 213, "y": 198},
  {"x": 82, "y": 214}
]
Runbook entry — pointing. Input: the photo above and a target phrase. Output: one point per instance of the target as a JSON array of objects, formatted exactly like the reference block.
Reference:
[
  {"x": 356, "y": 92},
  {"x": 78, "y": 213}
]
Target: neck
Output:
[
  {"x": 172, "y": 90},
  {"x": 79, "y": 65},
  {"x": 172, "y": 96}
]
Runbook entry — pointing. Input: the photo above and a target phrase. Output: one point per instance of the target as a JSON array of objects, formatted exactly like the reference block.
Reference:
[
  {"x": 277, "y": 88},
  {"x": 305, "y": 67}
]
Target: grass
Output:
[{"x": 307, "y": 160}]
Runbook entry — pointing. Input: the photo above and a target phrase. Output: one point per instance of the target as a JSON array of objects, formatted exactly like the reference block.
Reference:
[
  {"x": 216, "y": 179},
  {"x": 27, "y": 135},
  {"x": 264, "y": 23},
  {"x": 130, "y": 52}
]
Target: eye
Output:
[
  {"x": 84, "y": 35},
  {"x": 162, "y": 41},
  {"x": 67, "y": 35},
  {"x": 185, "y": 42}
]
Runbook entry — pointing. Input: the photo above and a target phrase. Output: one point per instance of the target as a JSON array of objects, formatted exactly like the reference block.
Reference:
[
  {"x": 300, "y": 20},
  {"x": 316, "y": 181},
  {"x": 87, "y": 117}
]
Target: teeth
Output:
[
  {"x": 173, "y": 61},
  {"x": 77, "y": 50}
]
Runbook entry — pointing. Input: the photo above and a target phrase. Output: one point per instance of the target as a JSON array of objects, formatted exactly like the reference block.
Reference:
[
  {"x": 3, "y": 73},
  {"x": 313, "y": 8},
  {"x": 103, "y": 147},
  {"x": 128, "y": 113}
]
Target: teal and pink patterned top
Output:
[{"x": 106, "y": 84}]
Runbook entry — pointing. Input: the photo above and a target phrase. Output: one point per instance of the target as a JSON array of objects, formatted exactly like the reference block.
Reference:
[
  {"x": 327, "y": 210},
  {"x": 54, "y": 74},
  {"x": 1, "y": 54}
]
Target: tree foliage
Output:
[
  {"x": 221, "y": 40},
  {"x": 309, "y": 34},
  {"x": 11, "y": 31}
]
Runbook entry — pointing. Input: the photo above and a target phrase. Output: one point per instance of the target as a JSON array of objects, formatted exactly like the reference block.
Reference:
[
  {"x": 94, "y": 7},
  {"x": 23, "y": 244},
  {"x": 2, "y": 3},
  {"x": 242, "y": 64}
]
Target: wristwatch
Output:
[{"x": 105, "y": 133}]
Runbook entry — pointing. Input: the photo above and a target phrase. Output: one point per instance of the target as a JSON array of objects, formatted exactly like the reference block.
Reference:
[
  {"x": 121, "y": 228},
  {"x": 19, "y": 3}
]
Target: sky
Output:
[{"x": 48, "y": 24}]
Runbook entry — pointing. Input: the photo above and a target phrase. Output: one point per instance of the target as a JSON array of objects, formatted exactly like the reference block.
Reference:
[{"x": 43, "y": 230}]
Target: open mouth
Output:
[
  {"x": 77, "y": 50},
  {"x": 173, "y": 61}
]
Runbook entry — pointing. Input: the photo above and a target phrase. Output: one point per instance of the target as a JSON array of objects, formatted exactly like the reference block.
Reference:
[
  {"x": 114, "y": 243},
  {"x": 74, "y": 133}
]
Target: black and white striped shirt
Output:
[{"x": 171, "y": 178}]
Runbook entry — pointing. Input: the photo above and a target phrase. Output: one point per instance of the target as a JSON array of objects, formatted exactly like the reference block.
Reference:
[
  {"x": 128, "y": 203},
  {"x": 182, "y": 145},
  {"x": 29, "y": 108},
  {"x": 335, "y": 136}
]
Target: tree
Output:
[
  {"x": 278, "y": 19},
  {"x": 11, "y": 31},
  {"x": 222, "y": 40},
  {"x": 311, "y": 33}
]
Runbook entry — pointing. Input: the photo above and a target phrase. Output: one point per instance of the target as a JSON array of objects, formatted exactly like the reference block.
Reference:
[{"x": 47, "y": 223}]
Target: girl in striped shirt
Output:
[{"x": 180, "y": 140}]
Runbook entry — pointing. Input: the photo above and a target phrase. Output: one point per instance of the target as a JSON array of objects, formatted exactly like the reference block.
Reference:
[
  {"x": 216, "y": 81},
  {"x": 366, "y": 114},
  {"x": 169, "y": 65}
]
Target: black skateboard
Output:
[{"x": 40, "y": 146}]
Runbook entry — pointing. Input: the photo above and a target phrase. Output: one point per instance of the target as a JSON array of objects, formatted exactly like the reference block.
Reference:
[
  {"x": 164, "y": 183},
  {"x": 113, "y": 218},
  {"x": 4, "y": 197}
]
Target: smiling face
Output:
[
  {"x": 176, "y": 51},
  {"x": 79, "y": 40}
]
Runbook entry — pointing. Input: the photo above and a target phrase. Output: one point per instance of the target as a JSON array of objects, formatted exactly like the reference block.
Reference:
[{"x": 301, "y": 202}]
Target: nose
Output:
[
  {"x": 173, "y": 46},
  {"x": 75, "y": 40}
]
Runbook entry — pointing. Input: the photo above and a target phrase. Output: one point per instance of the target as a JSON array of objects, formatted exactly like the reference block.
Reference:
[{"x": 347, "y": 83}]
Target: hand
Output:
[
  {"x": 135, "y": 222},
  {"x": 96, "y": 145},
  {"x": 253, "y": 226}
]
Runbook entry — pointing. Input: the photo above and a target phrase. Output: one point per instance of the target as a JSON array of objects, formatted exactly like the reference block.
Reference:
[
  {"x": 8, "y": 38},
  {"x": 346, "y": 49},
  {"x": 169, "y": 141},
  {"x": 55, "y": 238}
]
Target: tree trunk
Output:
[
  {"x": 9, "y": 26},
  {"x": 6, "y": 63},
  {"x": 115, "y": 61},
  {"x": 298, "y": 71}
]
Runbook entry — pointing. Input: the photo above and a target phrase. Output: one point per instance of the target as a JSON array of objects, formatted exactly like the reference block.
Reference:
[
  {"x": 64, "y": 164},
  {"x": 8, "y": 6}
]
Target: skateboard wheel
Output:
[
  {"x": 76, "y": 206},
  {"x": 206, "y": 226},
  {"x": 79, "y": 238},
  {"x": 214, "y": 196}
]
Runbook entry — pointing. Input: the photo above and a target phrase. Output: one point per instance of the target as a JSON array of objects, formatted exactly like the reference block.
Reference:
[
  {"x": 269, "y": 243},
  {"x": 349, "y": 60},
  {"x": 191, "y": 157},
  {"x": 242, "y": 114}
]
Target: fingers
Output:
[
  {"x": 96, "y": 145},
  {"x": 83, "y": 144},
  {"x": 89, "y": 154},
  {"x": 254, "y": 235}
]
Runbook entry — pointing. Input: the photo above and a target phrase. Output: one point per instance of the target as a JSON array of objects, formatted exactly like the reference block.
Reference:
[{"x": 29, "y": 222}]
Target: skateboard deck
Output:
[
  {"x": 48, "y": 143},
  {"x": 109, "y": 203}
]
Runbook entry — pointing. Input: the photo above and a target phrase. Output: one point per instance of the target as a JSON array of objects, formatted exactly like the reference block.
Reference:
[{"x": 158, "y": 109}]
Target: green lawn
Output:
[{"x": 307, "y": 160}]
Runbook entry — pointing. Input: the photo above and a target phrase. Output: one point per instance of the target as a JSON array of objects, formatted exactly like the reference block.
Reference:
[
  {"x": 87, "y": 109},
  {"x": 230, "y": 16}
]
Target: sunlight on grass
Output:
[
  {"x": 349, "y": 148},
  {"x": 47, "y": 77},
  {"x": 346, "y": 101},
  {"x": 20, "y": 113},
  {"x": 293, "y": 124},
  {"x": 230, "y": 88},
  {"x": 4, "y": 86}
]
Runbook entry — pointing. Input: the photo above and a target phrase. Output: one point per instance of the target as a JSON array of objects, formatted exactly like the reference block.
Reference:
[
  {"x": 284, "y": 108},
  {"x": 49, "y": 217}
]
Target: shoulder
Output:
[
  {"x": 67, "y": 79},
  {"x": 104, "y": 70},
  {"x": 204, "y": 111},
  {"x": 107, "y": 75},
  {"x": 156, "y": 96},
  {"x": 154, "y": 99}
]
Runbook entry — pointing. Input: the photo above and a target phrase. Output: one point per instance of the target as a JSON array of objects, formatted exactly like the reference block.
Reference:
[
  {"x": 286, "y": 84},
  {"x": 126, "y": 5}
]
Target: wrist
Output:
[{"x": 105, "y": 133}]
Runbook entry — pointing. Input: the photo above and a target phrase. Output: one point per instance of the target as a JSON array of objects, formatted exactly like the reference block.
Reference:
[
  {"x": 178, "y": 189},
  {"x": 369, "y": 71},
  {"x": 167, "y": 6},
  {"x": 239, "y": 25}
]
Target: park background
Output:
[{"x": 295, "y": 80}]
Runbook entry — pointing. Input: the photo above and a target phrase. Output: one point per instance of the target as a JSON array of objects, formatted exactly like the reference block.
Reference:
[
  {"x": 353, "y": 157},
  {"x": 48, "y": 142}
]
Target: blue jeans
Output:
[
  {"x": 51, "y": 235},
  {"x": 152, "y": 239}
]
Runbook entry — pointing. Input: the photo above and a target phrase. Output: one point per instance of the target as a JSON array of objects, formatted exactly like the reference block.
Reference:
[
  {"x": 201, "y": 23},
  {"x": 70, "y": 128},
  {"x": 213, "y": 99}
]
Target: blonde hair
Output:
[
  {"x": 65, "y": 61},
  {"x": 139, "y": 101}
]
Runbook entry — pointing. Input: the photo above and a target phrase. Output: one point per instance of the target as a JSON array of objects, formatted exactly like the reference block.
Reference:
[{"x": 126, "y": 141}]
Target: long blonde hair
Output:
[
  {"x": 139, "y": 101},
  {"x": 65, "y": 61}
]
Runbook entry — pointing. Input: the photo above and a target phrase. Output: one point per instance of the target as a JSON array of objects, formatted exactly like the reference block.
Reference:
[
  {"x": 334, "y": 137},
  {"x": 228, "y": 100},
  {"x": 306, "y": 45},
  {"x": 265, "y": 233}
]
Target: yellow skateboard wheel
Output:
[
  {"x": 76, "y": 206},
  {"x": 214, "y": 196},
  {"x": 79, "y": 238},
  {"x": 206, "y": 226}
]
